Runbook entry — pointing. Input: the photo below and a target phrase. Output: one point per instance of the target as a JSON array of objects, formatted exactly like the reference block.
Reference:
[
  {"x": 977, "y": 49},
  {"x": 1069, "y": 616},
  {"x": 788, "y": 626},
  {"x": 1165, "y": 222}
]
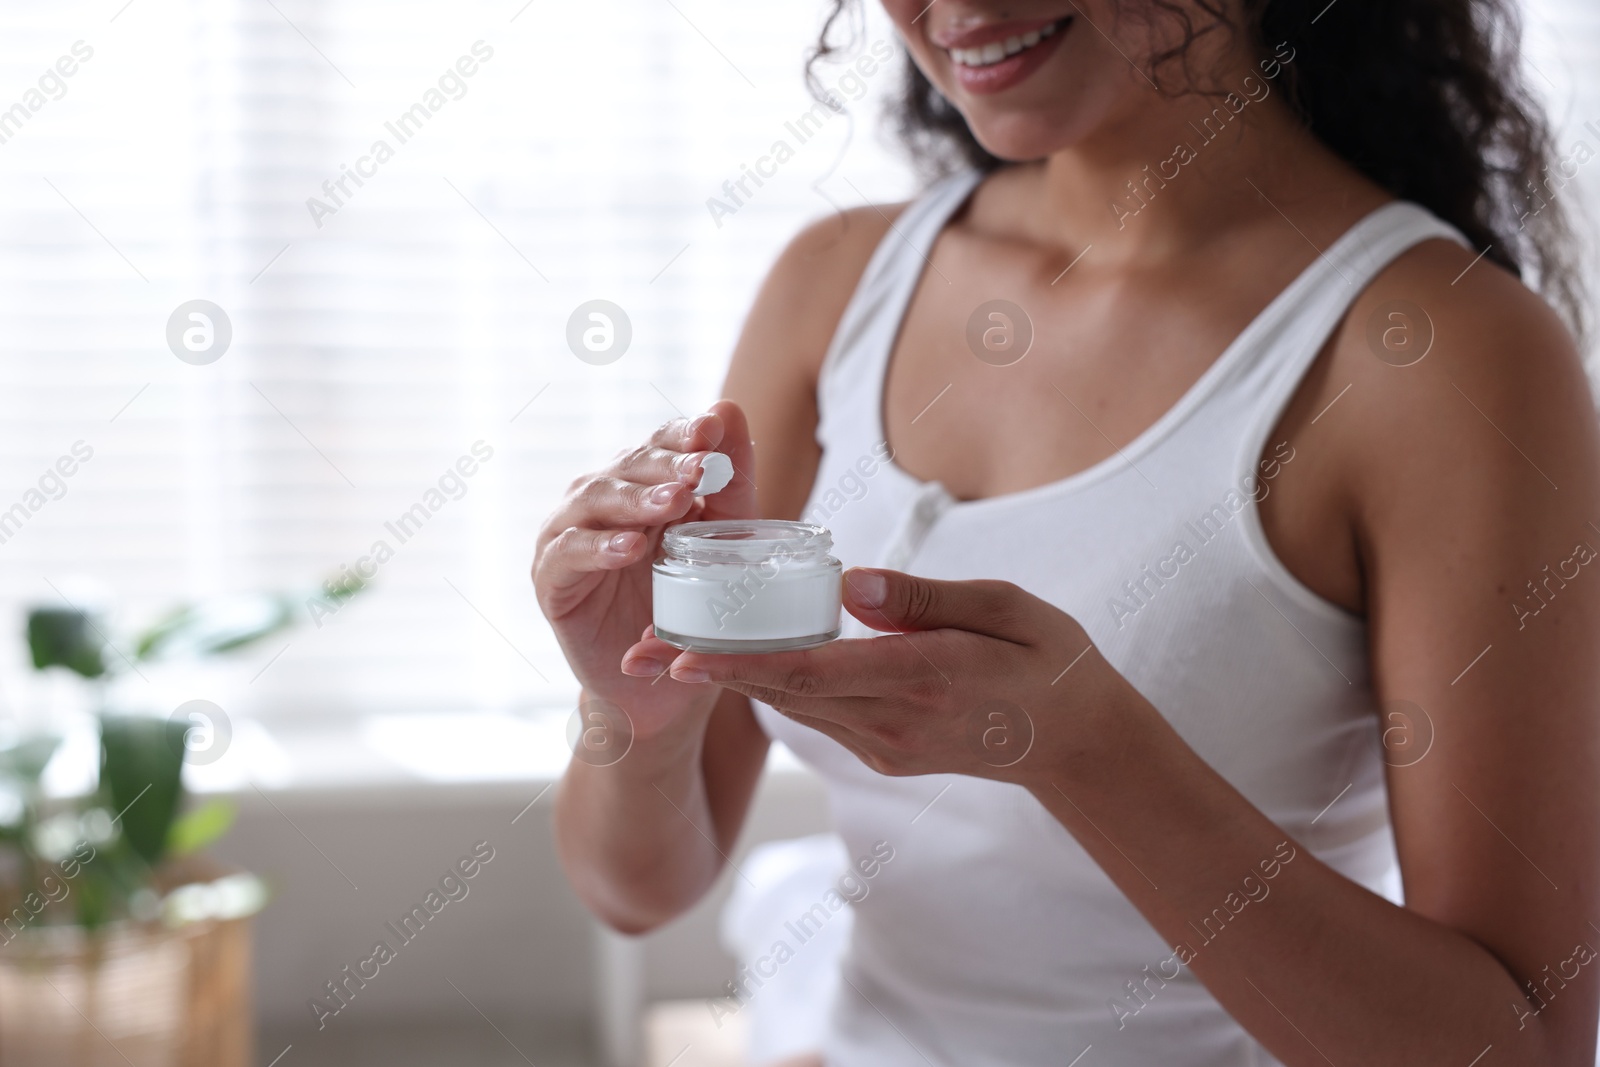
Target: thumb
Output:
[
  {"x": 738, "y": 499},
  {"x": 895, "y": 601}
]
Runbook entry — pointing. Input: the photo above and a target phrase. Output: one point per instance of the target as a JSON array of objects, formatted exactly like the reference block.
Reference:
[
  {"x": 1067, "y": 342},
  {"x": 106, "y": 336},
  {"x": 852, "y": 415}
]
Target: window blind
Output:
[{"x": 397, "y": 206}]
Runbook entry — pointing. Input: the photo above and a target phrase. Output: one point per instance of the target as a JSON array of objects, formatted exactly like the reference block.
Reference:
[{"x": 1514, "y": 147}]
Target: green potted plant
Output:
[{"x": 120, "y": 941}]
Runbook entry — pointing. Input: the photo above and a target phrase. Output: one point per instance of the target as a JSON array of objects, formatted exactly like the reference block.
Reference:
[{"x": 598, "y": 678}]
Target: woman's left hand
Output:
[{"x": 974, "y": 677}]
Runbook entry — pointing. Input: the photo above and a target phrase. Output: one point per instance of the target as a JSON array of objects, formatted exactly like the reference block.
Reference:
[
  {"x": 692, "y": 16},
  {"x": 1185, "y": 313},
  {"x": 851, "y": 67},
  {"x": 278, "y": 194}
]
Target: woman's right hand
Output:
[{"x": 591, "y": 566}]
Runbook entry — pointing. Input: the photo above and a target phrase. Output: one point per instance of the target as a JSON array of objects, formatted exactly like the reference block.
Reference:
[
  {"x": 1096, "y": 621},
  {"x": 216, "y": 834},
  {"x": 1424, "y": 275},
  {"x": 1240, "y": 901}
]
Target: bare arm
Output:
[
  {"x": 644, "y": 838},
  {"x": 1450, "y": 471}
]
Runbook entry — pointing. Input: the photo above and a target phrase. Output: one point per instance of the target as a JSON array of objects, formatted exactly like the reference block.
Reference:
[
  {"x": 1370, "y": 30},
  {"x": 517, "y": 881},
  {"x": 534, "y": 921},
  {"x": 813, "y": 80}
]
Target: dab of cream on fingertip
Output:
[{"x": 716, "y": 471}]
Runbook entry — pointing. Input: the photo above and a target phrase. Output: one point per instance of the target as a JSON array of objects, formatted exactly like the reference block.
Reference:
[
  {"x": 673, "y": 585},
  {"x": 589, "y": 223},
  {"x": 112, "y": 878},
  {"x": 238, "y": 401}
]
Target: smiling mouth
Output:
[{"x": 999, "y": 51}]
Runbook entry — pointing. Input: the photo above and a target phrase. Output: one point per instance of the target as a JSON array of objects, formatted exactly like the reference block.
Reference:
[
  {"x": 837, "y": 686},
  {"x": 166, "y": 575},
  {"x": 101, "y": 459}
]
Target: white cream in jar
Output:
[{"x": 746, "y": 585}]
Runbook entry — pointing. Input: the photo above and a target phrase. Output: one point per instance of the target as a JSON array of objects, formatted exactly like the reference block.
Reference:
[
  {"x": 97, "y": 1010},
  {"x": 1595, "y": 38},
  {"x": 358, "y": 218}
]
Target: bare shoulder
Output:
[
  {"x": 776, "y": 363},
  {"x": 1432, "y": 434},
  {"x": 806, "y": 290},
  {"x": 1459, "y": 375},
  {"x": 1452, "y": 430},
  {"x": 1475, "y": 309}
]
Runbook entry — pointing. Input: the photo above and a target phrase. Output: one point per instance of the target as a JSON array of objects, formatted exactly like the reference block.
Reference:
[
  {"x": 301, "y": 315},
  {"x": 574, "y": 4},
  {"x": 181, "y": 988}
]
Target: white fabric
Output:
[
  {"x": 778, "y": 924},
  {"x": 992, "y": 939}
]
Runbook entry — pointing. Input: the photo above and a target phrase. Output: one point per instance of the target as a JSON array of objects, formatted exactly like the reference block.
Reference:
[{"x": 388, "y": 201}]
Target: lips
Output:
[{"x": 993, "y": 58}]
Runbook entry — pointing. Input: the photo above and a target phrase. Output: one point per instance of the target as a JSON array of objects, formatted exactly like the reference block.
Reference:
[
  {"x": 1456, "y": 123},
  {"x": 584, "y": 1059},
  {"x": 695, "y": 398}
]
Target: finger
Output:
[
  {"x": 738, "y": 499},
  {"x": 700, "y": 433},
  {"x": 855, "y": 743},
  {"x": 892, "y": 600},
  {"x": 854, "y": 713},
  {"x": 868, "y": 667},
  {"x": 604, "y": 502},
  {"x": 649, "y": 657},
  {"x": 654, "y": 465},
  {"x": 575, "y": 554}
]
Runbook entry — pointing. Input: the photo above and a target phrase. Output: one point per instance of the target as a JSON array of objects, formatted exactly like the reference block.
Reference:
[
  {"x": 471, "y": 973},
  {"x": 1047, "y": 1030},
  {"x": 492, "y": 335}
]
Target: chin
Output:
[
  {"x": 1029, "y": 83},
  {"x": 1019, "y": 138},
  {"x": 1031, "y": 133}
]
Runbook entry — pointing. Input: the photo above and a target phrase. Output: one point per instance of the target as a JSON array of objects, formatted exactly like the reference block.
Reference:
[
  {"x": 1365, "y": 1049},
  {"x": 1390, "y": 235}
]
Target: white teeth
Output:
[{"x": 995, "y": 51}]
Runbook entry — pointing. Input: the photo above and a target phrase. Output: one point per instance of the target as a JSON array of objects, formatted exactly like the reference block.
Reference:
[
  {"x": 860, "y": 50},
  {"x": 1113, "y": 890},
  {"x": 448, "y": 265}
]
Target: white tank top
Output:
[{"x": 991, "y": 938}]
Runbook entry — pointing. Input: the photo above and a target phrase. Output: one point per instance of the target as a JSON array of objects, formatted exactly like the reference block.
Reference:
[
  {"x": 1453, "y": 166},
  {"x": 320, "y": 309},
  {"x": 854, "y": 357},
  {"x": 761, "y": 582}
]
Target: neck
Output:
[{"x": 1180, "y": 172}]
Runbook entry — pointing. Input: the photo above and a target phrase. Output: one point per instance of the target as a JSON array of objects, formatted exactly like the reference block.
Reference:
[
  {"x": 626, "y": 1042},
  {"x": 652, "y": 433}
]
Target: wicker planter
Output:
[{"x": 151, "y": 994}]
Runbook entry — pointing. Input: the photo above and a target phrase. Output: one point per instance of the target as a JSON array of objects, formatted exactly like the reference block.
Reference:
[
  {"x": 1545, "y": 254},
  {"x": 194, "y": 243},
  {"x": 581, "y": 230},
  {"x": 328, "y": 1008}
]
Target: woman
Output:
[{"x": 1269, "y": 551}]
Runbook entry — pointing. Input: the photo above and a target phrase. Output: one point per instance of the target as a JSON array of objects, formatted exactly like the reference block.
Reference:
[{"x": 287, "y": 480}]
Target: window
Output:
[{"x": 397, "y": 206}]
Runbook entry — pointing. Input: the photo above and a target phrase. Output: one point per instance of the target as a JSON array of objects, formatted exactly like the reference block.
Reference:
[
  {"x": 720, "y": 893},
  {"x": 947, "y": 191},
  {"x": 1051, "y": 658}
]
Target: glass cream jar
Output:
[{"x": 746, "y": 585}]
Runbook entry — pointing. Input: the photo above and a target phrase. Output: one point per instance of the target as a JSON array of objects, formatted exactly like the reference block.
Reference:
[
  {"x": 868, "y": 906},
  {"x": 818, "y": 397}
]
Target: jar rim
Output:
[{"x": 746, "y": 540}]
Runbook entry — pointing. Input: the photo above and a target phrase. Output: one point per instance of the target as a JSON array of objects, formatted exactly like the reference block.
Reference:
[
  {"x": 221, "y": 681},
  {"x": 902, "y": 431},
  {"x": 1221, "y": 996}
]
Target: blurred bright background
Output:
[
  {"x": 371, "y": 348},
  {"x": 411, "y": 320}
]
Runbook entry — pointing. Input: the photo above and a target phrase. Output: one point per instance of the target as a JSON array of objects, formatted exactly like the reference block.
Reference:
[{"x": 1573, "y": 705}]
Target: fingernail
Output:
[
  {"x": 687, "y": 466},
  {"x": 699, "y": 421},
  {"x": 661, "y": 494},
  {"x": 643, "y": 668},
  {"x": 868, "y": 589},
  {"x": 689, "y": 674},
  {"x": 620, "y": 544}
]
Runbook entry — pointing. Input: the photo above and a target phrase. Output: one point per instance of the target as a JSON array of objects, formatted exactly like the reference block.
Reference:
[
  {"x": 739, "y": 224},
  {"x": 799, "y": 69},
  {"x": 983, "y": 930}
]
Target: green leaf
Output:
[
  {"x": 159, "y": 632},
  {"x": 26, "y": 760},
  {"x": 95, "y": 897},
  {"x": 141, "y": 766},
  {"x": 106, "y": 882},
  {"x": 218, "y": 625},
  {"x": 66, "y": 637},
  {"x": 340, "y": 588},
  {"x": 196, "y": 829}
]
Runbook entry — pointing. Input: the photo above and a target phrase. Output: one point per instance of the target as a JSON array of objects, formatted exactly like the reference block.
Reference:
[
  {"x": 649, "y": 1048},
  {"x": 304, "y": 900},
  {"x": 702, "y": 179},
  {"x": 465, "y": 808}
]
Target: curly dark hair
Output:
[{"x": 1424, "y": 97}]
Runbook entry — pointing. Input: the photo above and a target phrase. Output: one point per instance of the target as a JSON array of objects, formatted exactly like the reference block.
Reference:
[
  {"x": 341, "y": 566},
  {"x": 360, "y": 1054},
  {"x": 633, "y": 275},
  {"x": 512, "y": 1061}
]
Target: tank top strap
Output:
[
  {"x": 1277, "y": 349},
  {"x": 1254, "y": 379},
  {"x": 864, "y": 338}
]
